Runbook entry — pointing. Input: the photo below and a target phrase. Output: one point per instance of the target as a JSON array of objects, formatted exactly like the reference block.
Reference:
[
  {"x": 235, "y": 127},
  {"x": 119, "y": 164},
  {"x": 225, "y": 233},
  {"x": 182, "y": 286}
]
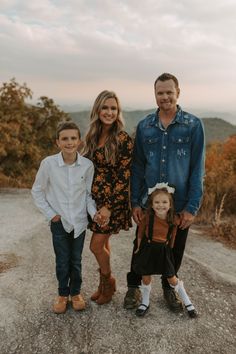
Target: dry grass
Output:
[
  {"x": 219, "y": 227},
  {"x": 7, "y": 261},
  {"x": 225, "y": 232},
  {"x": 20, "y": 182}
]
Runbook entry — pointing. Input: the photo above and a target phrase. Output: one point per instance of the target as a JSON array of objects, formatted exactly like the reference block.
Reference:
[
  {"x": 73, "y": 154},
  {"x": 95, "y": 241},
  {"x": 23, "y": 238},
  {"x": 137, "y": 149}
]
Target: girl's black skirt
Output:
[{"x": 154, "y": 258}]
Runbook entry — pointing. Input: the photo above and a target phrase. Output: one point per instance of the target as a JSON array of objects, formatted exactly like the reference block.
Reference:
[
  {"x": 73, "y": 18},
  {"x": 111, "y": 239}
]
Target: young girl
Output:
[{"x": 159, "y": 226}]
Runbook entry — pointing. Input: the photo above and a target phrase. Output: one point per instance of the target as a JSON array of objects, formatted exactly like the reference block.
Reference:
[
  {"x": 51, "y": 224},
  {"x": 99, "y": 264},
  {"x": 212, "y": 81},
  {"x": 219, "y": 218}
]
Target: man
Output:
[{"x": 169, "y": 147}]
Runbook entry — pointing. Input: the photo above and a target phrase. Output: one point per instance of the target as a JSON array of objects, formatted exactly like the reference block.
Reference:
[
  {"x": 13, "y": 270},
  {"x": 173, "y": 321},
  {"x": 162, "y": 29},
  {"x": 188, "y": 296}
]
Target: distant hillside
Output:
[
  {"x": 216, "y": 129},
  {"x": 82, "y": 119}
]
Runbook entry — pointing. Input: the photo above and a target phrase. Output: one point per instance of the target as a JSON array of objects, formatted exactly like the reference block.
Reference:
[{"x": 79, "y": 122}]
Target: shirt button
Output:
[
  {"x": 164, "y": 147},
  {"x": 163, "y": 175},
  {"x": 165, "y": 133},
  {"x": 163, "y": 160}
]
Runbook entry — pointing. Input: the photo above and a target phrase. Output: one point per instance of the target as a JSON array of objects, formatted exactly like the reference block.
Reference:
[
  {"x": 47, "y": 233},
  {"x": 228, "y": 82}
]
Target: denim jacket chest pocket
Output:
[
  {"x": 151, "y": 146},
  {"x": 180, "y": 146}
]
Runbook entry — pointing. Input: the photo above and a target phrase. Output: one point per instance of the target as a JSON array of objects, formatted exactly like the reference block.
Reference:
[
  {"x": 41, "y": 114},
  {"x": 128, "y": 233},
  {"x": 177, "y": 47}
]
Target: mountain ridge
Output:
[{"x": 216, "y": 128}]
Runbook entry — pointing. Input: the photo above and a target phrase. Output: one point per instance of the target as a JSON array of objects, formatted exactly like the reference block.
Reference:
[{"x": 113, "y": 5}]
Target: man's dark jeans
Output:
[
  {"x": 134, "y": 280},
  {"x": 68, "y": 251}
]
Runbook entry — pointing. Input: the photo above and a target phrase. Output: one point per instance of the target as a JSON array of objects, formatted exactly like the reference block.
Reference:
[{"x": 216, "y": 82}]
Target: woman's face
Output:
[{"x": 109, "y": 112}]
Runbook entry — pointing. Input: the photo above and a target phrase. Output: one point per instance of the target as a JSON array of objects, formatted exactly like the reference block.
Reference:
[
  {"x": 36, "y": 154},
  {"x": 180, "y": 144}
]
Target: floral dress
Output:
[{"x": 111, "y": 187}]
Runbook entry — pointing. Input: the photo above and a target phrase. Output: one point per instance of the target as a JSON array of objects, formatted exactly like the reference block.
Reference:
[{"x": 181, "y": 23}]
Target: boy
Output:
[{"x": 61, "y": 191}]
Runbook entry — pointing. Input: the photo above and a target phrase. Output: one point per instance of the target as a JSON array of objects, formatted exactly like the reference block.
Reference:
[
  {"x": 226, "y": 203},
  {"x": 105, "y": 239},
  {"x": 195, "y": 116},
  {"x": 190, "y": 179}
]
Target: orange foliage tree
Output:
[
  {"x": 27, "y": 133},
  {"x": 220, "y": 179}
]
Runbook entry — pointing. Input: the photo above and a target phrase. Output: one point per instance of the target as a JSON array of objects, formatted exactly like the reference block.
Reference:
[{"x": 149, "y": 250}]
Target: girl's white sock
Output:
[
  {"x": 145, "y": 291},
  {"x": 179, "y": 288}
]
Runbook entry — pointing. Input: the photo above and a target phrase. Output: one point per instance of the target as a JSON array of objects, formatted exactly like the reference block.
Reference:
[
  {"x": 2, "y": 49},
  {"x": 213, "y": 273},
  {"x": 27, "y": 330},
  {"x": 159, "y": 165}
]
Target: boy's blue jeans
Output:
[{"x": 68, "y": 252}]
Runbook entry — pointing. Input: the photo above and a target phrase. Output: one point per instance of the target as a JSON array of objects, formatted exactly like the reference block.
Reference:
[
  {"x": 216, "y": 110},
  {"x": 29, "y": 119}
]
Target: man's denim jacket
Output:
[{"x": 174, "y": 155}]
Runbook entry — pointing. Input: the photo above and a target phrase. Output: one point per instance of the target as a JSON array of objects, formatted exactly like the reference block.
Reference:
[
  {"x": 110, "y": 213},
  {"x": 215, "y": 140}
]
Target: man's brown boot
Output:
[
  {"x": 172, "y": 300},
  {"x": 132, "y": 298},
  {"x": 108, "y": 287},
  {"x": 78, "y": 302},
  {"x": 60, "y": 304}
]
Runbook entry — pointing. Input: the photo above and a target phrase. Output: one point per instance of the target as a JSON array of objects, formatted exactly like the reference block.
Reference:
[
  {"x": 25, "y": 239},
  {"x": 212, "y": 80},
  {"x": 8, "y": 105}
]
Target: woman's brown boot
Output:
[
  {"x": 97, "y": 293},
  {"x": 108, "y": 287}
]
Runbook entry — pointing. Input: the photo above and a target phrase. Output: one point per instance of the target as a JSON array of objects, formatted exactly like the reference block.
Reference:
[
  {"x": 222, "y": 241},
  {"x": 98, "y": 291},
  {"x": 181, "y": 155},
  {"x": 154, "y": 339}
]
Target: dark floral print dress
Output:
[{"x": 111, "y": 187}]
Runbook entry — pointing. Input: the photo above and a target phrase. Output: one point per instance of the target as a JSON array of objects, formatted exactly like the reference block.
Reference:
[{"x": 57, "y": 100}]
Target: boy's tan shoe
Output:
[
  {"x": 60, "y": 304},
  {"x": 78, "y": 302}
]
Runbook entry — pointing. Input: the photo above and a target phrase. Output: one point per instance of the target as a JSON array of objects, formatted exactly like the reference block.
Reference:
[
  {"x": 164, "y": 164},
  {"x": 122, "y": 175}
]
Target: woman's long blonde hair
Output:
[{"x": 95, "y": 129}]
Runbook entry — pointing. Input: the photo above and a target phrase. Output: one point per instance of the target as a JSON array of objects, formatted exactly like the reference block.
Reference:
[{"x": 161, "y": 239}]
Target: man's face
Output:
[{"x": 166, "y": 95}]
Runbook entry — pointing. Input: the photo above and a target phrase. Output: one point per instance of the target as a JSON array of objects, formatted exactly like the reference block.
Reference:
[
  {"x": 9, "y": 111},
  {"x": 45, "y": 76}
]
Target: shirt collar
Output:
[
  {"x": 62, "y": 163},
  {"x": 177, "y": 119}
]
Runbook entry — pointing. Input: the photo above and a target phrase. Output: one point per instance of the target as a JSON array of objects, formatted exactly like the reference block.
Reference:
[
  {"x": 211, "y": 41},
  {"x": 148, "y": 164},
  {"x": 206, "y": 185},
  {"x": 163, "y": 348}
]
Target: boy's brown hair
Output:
[{"x": 64, "y": 125}]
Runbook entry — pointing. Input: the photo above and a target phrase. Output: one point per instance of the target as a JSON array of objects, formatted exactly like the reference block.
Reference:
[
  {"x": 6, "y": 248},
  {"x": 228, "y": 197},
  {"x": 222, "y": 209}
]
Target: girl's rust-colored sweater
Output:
[{"x": 160, "y": 229}]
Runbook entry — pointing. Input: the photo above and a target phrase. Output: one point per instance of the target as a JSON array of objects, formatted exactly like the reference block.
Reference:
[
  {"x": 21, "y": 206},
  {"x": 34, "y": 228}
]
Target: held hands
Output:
[
  {"x": 102, "y": 216},
  {"x": 186, "y": 219}
]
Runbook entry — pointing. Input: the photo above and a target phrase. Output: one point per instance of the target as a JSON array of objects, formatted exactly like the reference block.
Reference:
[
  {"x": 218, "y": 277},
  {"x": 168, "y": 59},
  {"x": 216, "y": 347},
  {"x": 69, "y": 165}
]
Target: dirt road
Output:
[{"x": 28, "y": 287}]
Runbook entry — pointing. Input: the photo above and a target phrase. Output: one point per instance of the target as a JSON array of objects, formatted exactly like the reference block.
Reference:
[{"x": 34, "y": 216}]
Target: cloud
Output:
[{"x": 124, "y": 42}]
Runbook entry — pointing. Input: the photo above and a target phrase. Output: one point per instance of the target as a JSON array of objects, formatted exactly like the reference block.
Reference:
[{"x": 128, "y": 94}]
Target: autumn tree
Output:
[
  {"x": 27, "y": 133},
  {"x": 220, "y": 179}
]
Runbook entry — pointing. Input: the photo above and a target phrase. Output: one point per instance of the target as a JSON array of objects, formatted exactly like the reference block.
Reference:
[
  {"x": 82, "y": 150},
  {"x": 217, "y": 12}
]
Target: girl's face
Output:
[
  {"x": 161, "y": 205},
  {"x": 109, "y": 112}
]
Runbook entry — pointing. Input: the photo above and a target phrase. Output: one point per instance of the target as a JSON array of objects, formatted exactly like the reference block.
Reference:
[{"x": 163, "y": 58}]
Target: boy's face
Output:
[{"x": 68, "y": 142}]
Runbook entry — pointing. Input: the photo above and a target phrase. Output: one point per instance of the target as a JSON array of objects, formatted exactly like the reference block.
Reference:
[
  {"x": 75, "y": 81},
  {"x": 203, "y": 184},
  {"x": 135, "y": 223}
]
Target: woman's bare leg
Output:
[
  {"x": 107, "y": 245},
  {"x": 100, "y": 247}
]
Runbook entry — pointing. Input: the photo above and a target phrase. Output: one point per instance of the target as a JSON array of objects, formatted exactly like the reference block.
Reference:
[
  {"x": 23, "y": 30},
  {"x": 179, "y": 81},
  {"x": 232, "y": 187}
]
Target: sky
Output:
[{"x": 72, "y": 50}]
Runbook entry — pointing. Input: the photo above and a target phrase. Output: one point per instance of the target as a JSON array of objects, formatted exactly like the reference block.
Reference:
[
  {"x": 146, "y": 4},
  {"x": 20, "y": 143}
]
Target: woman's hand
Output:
[
  {"x": 97, "y": 218},
  {"x": 102, "y": 216},
  {"x": 104, "y": 212}
]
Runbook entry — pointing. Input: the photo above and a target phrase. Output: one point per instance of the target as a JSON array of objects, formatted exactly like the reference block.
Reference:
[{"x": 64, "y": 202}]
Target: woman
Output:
[{"x": 110, "y": 149}]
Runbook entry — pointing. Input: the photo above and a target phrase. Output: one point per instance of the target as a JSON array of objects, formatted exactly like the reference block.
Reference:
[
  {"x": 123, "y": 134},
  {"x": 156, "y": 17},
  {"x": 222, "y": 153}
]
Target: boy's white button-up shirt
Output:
[{"x": 65, "y": 190}]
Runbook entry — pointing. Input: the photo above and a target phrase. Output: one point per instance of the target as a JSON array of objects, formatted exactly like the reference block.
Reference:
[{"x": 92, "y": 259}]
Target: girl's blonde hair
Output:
[
  {"x": 171, "y": 211},
  {"x": 95, "y": 129}
]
